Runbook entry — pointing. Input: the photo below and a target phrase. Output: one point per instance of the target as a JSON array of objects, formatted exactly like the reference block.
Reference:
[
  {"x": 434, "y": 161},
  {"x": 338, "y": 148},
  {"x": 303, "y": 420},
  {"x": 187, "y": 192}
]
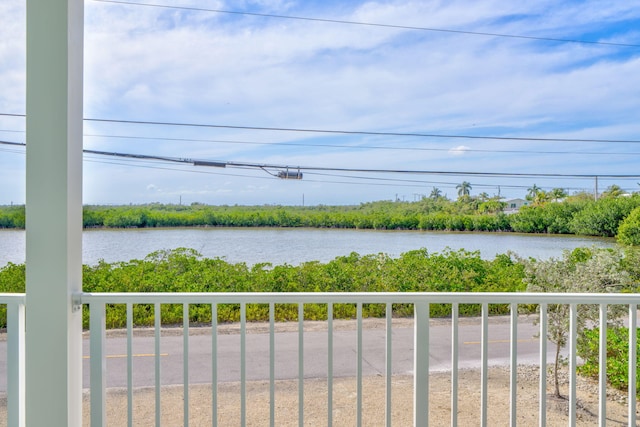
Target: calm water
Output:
[{"x": 294, "y": 246}]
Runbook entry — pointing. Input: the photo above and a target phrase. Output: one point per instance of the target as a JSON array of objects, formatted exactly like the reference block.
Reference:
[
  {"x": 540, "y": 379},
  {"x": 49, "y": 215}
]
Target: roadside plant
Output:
[
  {"x": 617, "y": 356},
  {"x": 580, "y": 271}
]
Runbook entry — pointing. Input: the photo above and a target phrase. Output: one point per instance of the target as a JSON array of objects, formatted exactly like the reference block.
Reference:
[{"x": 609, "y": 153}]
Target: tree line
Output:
[{"x": 613, "y": 215}]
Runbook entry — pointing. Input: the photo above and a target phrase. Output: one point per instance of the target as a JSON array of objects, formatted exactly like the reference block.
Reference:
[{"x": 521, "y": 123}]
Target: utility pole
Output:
[{"x": 595, "y": 194}]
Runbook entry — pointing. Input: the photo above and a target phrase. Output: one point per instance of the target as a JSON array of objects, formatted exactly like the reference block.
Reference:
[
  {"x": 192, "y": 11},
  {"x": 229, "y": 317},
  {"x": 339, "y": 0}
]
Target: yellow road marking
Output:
[
  {"x": 122, "y": 356},
  {"x": 500, "y": 341}
]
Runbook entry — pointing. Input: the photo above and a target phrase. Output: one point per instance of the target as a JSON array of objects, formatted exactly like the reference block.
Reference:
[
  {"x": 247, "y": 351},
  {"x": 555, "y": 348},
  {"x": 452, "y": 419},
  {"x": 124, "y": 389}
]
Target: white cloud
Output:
[
  {"x": 199, "y": 67},
  {"x": 459, "y": 150}
]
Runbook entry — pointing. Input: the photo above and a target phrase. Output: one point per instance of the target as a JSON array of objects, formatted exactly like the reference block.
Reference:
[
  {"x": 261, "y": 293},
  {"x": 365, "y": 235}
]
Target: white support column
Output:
[{"x": 54, "y": 212}]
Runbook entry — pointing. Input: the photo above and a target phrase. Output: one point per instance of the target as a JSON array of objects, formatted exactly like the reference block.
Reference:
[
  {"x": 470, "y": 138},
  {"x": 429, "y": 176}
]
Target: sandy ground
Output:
[
  {"x": 344, "y": 403},
  {"x": 373, "y": 414}
]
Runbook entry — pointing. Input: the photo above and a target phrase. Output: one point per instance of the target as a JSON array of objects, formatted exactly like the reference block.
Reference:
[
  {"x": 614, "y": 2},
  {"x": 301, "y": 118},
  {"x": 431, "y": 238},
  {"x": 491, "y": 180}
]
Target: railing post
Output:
[
  {"x": 484, "y": 365},
  {"x": 542, "y": 408},
  {"x": 455, "y": 355},
  {"x": 602, "y": 369},
  {"x": 54, "y": 212},
  {"x": 573, "y": 333},
  {"x": 421, "y": 365},
  {"x": 513, "y": 379},
  {"x": 633, "y": 357},
  {"x": 214, "y": 364},
  {"x": 98, "y": 363},
  {"x": 359, "y": 365},
  {"x": 157, "y": 328},
  {"x": 389, "y": 364},
  {"x": 15, "y": 365},
  {"x": 301, "y": 365}
]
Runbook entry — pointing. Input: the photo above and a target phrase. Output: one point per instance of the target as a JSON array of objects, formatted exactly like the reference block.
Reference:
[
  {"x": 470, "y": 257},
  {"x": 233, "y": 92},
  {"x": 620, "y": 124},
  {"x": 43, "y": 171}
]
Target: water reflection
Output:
[{"x": 294, "y": 245}]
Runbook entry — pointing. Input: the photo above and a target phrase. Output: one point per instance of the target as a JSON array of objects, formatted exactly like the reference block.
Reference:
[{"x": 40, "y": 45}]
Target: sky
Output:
[{"x": 409, "y": 95}]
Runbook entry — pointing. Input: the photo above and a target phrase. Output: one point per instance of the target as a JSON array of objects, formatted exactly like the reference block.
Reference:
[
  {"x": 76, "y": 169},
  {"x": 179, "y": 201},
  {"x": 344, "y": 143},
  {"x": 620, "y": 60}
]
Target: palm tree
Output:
[
  {"x": 541, "y": 197},
  {"x": 436, "y": 193},
  {"x": 532, "y": 192},
  {"x": 464, "y": 189},
  {"x": 557, "y": 194},
  {"x": 483, "y": 197}
]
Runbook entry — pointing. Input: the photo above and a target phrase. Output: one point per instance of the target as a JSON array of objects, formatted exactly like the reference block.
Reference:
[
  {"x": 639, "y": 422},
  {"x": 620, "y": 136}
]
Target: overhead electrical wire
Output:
[
  {"x": 199, "y": 171},
  {"x": 392, "y": 182},
  {"x": 352, "y": 132},
  {"x": 406, "y": 183},
  {"x": 363, "y": 147},
  {"x": 423, "y": 183},
  {"x": 134, "y": 160},
  {"x": 372, "y": 24},
  {"x": 263, "y": 166},
  {"x": 356, "y": 147}
]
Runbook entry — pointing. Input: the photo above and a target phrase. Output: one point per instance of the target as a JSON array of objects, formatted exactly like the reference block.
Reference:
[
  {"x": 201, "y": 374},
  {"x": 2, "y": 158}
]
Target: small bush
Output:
[{"x": 617, "y": 356}]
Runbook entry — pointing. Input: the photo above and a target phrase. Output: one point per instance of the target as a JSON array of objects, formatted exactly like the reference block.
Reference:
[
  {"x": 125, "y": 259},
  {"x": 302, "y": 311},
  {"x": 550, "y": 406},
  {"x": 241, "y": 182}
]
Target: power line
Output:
[
  {"x": 353, "y": 147},
  {"x": 351, "y": 132},
  {"x": 392, "y": 182},
  {"x": 442, "y": 183},
  {"x": 222, "y": 164},
  {"x": 372, "y": 24},
  {"x": 388, "y": 182},
  {"x": 360, "y": 147},
  {"x": 353, "y": 180}
]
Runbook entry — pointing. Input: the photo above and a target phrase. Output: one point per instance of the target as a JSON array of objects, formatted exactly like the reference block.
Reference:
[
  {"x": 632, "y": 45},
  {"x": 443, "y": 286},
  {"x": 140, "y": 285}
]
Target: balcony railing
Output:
[
  {"x": 421, "y": 304},
  {"x": 421, "y": 349},
  {"x": 15, "y": 305}
]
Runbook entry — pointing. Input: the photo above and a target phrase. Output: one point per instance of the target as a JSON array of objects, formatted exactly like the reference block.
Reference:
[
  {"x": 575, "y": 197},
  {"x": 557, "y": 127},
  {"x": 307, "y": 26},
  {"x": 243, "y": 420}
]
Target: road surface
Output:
[{"x": 315, "y": 351}]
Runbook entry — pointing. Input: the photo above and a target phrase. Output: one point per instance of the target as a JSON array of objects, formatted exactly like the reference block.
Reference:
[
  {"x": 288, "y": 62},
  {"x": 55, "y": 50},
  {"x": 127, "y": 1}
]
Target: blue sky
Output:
[{"x": 160, "y": 64}]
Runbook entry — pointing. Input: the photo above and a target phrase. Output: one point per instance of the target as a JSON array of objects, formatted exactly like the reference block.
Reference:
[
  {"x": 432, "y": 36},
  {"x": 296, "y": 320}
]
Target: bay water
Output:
[{"x": 297, "y": 245}]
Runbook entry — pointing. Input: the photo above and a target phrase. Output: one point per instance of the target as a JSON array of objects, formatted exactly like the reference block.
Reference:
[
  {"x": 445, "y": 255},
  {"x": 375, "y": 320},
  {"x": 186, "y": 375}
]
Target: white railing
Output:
[
  {"x": 15, "y": 304},
  {"x": 421, "y": 303}
]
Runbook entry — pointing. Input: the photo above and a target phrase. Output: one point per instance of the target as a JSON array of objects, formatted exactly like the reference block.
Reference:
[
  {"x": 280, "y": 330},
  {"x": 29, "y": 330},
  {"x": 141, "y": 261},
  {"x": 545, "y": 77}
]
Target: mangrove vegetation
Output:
[
  {"x": 184, "y": 270},
  {"x": 612, "y": 215}
]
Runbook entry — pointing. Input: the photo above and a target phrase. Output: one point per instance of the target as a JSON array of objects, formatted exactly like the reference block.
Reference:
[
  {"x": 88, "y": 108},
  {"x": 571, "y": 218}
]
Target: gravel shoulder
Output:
[{"x": 344, "y": 402}]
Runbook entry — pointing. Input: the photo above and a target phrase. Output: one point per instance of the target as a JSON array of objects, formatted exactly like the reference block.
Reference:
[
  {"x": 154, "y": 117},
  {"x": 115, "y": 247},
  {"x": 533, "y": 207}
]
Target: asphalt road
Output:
[{"x": 315, "y": 351}]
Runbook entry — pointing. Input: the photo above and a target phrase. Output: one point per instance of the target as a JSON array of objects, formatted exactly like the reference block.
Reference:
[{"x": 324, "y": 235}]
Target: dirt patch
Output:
[{"x": 373, "y": 402}]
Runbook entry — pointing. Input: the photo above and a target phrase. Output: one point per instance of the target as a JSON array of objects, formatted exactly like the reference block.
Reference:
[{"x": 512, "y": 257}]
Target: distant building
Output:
[{"x": 514, "y": 205}]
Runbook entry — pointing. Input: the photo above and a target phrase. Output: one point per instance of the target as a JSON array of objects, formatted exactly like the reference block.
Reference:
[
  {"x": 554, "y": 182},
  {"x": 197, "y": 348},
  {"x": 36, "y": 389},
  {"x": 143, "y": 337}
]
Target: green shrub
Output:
[
  {"x": 617, "y": 356},
  {"x": 185, "y": 270},
  {"x": 603, "y": 217},
  {"x": 629, "y": 230}
]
